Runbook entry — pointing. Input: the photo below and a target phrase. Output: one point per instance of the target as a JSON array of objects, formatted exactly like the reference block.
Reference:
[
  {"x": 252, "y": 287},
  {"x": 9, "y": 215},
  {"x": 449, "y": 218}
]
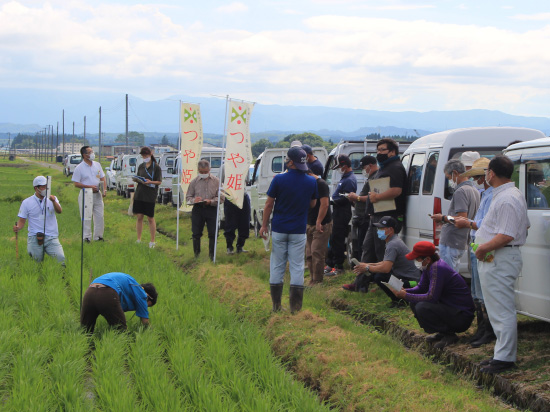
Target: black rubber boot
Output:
[
  {"x": 488, "y": 335},
  {"x": 296, "y": 297},
  {"x": 276, "y": 294},
  {"x": 211, "y": 246},
  {"x": 480, "y": 322},
  {"x": 197, "y": 246}
]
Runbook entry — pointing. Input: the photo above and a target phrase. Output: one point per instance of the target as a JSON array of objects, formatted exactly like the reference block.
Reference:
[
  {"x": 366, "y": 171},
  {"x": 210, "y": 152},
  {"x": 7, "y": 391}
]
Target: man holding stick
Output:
[{"x": 43, "y": 232}]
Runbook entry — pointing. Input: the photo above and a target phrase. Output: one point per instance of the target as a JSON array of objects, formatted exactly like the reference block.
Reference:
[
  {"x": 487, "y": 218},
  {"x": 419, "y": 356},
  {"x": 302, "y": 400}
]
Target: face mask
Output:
[
  {"x": 381, "y": 157},
  {"x": 203, "y": 175},
  {"x": 452, "y": 183},
  {"x": 366, "y": 173},
  {"x": 42, "y": 192},
  {"x": 420, "y": 266},
  {"x": 381, "y": 234},
  {"x": 487, "y": 180},
  {"x": 146, "y": 160},
  {"x": 479, "y": 186},
  {"x": 343, "y": 171},
  {"x": 92, "y": 156}
]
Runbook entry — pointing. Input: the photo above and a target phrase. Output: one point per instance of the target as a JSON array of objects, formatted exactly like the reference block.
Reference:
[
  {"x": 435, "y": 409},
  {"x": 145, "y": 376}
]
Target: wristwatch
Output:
[
  {"x": 471, "y": 224},
  {"x": 367, "y": 268}
]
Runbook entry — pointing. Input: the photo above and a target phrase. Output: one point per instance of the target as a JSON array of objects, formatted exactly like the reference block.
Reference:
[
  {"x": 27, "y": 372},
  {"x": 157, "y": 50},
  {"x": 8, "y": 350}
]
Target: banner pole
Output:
[
  {"x": 82, "y": 247},
  {"x": 45, "y": 214},
  {"x": 179, "y": 183},
  {"x": 222, "y": 167}
]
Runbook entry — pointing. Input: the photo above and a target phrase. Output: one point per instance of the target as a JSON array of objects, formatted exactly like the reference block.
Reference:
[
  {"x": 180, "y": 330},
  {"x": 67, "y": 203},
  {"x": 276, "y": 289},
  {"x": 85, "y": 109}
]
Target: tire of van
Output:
[
  {"x": 164, "y": 199},
  {"x": 257, "y": 227},
  {"x": 117, "y": 191},
  {"x": 127, "y": 194}
]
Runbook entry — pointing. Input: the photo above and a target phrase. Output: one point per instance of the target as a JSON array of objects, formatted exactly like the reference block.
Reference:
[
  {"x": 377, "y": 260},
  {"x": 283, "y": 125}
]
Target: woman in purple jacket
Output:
[{"x": 441, "y": 302}]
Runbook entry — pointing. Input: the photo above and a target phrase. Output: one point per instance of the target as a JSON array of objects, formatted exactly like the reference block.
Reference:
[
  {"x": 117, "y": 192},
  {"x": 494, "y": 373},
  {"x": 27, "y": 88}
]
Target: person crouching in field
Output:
[
  {"x": 42, "y": 237},
  {"x": 441, "y": 302},
  {"x": 111, "y": 295}
]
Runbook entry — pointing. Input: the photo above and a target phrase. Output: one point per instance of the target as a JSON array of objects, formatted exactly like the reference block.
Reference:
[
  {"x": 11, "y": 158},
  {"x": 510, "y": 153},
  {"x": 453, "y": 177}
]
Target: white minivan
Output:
[
  {"x": 428, "y": 192},
  {"x": 532, "y": 176}
]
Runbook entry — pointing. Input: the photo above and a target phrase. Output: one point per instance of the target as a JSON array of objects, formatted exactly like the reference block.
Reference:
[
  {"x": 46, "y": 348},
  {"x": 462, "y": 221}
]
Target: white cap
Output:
[
  {"x": 468, "y": 158},
  {"x": 39, "y": 181},
  {"x": 296, "y": 143}
]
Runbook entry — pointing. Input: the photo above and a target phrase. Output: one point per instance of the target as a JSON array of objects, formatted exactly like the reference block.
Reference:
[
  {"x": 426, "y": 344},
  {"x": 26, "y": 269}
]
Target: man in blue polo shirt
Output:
[
  {"x": 111, "y": 295},
  {"x": 290, "y": 196}
]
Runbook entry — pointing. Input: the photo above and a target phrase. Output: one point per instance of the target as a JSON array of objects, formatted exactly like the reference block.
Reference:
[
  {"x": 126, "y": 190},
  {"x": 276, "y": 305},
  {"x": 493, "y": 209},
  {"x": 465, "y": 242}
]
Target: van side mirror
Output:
[{"x": 108, "y": 169}]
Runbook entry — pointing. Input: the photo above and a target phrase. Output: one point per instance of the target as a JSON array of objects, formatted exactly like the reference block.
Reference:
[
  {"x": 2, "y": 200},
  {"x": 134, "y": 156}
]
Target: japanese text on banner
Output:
[
  {"x": 190, "y": 145},
  {"x": 238, "y": 153}
]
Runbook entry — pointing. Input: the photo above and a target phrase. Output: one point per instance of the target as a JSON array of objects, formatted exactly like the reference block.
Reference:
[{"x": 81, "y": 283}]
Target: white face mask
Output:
[
  {"x": 203, "y": 175},
  {"x": 366, "y": 173},
  {"x": 419, "y": 265},
  {"x": 452, "y": 183},
  {"x": 92, "y": 156},
  {"x": 42, "y": 192},
  {"x": 479, "y": 186},
  {"x": 146, "y": 159}
]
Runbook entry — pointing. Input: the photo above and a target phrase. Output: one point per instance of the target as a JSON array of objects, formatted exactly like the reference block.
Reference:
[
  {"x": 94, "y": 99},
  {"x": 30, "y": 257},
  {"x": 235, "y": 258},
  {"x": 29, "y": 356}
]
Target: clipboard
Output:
[{"x": 380, "y": 186}]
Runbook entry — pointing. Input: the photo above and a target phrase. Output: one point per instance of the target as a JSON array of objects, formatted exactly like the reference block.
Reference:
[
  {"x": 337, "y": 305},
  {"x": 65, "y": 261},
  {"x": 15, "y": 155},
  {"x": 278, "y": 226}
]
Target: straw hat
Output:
[{"x": 478, "y": 168}]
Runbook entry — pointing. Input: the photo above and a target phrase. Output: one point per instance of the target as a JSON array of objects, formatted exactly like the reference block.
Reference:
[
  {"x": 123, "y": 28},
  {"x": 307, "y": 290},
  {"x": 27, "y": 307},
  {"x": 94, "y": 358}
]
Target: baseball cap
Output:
[
  {"x": 368, "y": 160},
  {"x": 468, "y": 158},
  {"x": 386, "y": 221},
  {"x": 307, "y": 148},
  {"x": 39, "y": 181},
  {"x": 343, "y": 160},
  {"x": 298, "y": 157},
  {"x": 478, "y": 168},
  {"x": 421, "y": 249},
  {"x": 296, "y": 143}
]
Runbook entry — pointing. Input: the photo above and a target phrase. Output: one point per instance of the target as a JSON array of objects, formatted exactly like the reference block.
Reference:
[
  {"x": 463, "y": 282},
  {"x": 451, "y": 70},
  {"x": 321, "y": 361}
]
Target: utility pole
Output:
[
  {"x": 63, "y": 133},
  {"x": 84, "y": 129},
  {"x": 51, "y": 140},
  {"x": 99, "y": 135},
  {"x": 56, "y": 141},
  {"x": 127, "y": 123}
]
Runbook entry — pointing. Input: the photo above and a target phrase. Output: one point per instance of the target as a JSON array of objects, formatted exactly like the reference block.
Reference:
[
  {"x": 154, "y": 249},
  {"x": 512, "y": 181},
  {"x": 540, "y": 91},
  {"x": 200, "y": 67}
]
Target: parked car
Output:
[
  {"x": 128, "y": 168},
  {"x": 73, "y": 160},
  {"x": 166, "y": 162},
  {"x": 110, "y": 176},
  {"x": 429, "y": 191},
  {"x": 211, "y": 153},
  {"x": 532, "y": 177},
  {"x": 355, "y": 150},
  {"x": 269, "y": 163}
]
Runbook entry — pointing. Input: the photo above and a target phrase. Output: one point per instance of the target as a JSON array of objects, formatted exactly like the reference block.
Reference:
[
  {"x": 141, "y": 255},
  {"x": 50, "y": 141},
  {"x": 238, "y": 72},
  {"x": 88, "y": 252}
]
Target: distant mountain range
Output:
[{"x": 28, "y": 111}]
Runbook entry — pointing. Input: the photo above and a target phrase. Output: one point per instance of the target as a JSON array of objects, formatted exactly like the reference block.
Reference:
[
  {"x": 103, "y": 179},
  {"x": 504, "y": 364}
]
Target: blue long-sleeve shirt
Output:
[
  {"x": 484, "y": 204},
  {"x": 441, "y": 284},
  {"x": 347, "y": 184},
  {"x": 131, "y": 294}
]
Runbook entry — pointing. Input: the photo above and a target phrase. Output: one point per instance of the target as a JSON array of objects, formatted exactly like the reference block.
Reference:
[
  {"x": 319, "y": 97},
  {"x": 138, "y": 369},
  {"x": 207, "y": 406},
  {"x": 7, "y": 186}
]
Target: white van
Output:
[
  {"x": 211, "y": 153},
  {"x": 128, "y": 168},
  {"x": 166, "y": 162},
  {"x": 110, "y": 175},
  {"x": 532, "y": 177},
  {"x": 73, "y": 160},
  {"x": 428, "y": 192},
  {"x": 269, "y": 163}
]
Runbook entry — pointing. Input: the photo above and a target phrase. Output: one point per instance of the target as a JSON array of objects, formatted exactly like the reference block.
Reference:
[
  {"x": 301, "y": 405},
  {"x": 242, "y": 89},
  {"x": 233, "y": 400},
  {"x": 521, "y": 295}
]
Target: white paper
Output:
[{"x": 394, "y": 283}]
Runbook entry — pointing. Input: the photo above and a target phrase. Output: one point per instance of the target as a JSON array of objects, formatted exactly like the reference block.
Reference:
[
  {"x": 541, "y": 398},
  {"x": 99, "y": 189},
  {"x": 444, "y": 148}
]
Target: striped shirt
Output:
[
  {"x": 206, "y": 189},
  {"x": 507, "y": 215}
]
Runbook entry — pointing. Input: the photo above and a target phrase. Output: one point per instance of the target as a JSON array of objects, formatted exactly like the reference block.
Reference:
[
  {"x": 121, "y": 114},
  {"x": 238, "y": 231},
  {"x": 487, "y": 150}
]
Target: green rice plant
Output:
[
  {"x": 111, "y": 382},
  {"x": 151, "y": 375}
]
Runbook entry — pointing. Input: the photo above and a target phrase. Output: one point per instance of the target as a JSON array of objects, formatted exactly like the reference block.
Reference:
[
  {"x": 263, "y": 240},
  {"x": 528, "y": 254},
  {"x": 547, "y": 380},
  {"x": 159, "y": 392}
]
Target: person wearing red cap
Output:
[{"x": 441, "y": 302}]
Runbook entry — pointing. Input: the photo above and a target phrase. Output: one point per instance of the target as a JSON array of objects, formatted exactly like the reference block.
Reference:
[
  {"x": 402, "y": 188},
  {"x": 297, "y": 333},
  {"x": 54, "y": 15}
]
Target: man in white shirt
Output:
[
  {"x": 43, "y": 232},
  {"x": 87, "y": 175}
]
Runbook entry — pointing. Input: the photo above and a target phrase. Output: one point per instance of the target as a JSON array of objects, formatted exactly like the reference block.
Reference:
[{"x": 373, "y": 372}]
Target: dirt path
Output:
[{"x": 45, "y": 164}]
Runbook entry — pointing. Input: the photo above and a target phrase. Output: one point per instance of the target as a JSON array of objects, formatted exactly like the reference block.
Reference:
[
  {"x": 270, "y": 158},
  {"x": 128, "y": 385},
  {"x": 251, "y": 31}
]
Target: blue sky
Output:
[{"x": 383, "y": 55}]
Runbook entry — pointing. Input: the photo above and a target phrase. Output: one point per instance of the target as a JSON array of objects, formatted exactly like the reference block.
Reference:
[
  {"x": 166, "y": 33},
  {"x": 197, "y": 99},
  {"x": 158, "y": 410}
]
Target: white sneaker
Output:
[
  {"x": 138, "y": 241},
  {"x": 152, "y": 245}
]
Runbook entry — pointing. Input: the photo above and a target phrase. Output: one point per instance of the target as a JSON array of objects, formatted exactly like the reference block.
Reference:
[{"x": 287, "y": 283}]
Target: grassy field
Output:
[{"x": 214, "y": 344}]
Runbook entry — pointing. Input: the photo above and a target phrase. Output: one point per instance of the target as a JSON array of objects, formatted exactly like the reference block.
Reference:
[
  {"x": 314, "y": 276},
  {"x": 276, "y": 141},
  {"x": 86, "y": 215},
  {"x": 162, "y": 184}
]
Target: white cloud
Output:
[
  {"x": 330, "y": 60},
  {"x": 535, "y": 17},
  {"x": 235, "y": 7}
]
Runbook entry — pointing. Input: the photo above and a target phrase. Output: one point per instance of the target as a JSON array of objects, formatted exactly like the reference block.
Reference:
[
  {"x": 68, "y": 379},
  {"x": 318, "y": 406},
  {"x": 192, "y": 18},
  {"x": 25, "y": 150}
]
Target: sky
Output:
[{"x": 393, "y": 55}]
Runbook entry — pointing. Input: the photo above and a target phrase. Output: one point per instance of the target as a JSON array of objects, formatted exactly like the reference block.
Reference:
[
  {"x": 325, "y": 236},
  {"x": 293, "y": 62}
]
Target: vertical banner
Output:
[
  {"x": 238, "y": 152},
  {"x": 190, "y": 147}
]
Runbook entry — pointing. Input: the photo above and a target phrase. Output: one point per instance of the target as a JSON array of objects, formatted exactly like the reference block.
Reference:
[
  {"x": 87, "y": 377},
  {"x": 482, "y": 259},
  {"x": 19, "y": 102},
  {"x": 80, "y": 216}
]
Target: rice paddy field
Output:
[{"x": 213, "y": 344}]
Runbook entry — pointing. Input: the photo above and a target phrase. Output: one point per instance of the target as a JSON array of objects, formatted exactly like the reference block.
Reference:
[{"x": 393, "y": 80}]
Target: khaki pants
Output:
[
  {"x": 97, "y": 215},
  {"x": 316, "y": 250}
]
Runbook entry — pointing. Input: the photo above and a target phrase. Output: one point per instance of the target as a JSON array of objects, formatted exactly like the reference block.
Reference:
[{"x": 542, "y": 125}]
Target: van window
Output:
[
  {"x": 415, "y": 173},
  {"x": 277, "y": 164},
  {"x": 169, "y": 162},
  {"x": 405, "y": 161},
  {"x": 328, "y": 170},
  {"x": 215, "y": 162},
  {"x": 429, "y": 177},
  {"x": 488, "y": 152},
  {"x": 537, "y": 181},
  {"x": 355, "y": 159},
  {"x": 132, "y": 161},
  {"x": 76, "y": 160}
]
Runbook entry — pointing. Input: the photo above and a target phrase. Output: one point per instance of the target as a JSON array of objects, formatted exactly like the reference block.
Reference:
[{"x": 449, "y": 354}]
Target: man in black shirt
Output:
[
  {"x": 361, "y": 219},
  {"x": 390, "y": 166},
  {"x": 319, "y": 227}
]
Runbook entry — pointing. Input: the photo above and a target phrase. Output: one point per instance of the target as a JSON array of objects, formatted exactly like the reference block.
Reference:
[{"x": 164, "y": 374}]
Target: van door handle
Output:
[{"x": 426, "y": 235}]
